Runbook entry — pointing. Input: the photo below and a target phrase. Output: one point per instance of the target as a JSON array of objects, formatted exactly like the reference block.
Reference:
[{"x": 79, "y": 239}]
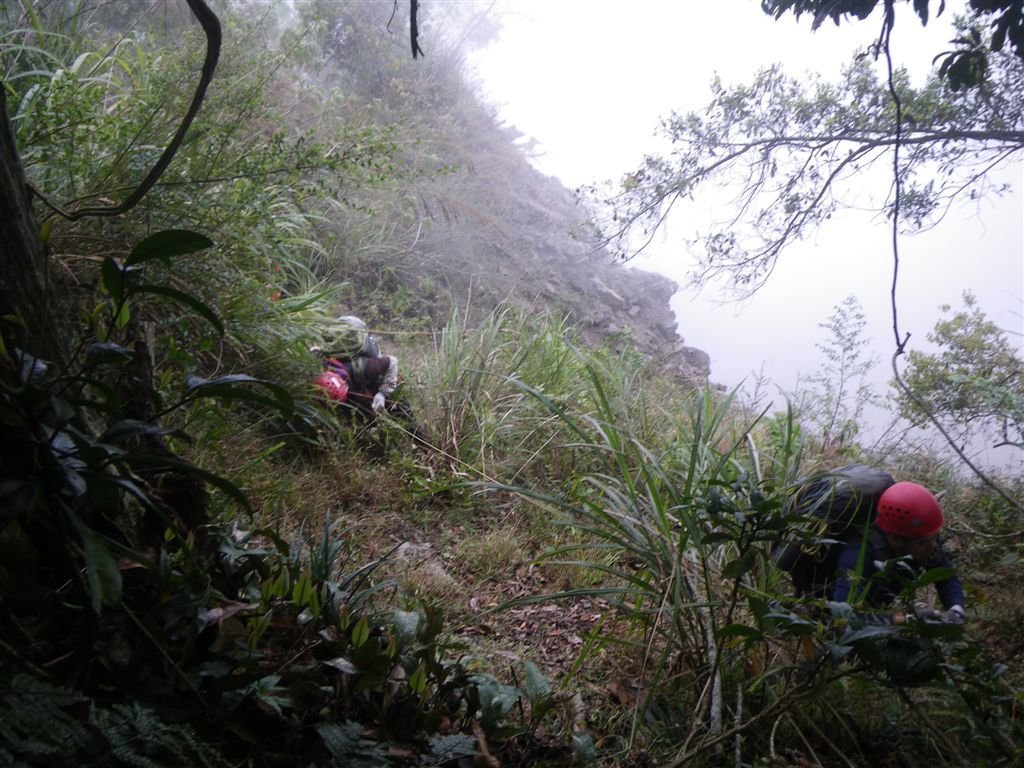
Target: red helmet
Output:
[
  {"x": 909, "y": 510},
  {"x": 333, "y": 385}
]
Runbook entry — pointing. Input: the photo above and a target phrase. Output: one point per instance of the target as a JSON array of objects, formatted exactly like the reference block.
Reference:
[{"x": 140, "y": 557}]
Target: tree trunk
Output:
[{"x": 23, "y": 265}]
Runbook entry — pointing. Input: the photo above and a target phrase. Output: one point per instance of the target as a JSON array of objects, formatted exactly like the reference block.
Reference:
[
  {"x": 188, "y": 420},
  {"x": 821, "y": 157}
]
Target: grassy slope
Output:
[{"x": 495, "y": 231}]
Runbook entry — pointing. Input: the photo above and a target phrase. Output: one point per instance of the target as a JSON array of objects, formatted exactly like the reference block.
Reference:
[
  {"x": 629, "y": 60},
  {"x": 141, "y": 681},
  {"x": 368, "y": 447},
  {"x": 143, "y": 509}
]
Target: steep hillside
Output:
[
  {"x": 484, "y": 227},
  {"x": 525, "y": 240}
]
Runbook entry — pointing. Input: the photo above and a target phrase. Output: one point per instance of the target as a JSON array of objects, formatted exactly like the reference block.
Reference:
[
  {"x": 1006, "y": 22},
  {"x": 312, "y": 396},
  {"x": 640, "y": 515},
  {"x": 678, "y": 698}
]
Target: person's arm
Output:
[
  {"x": 390, "y": 380},
  {"x": 951, "y": 591},
  {"x": 846, "y": 566},
  {"x": 387, "y": 378}
]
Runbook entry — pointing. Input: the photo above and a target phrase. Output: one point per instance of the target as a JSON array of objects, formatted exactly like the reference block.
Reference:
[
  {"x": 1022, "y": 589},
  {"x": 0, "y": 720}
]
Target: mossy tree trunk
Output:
[{"x": 23, "y": 262}]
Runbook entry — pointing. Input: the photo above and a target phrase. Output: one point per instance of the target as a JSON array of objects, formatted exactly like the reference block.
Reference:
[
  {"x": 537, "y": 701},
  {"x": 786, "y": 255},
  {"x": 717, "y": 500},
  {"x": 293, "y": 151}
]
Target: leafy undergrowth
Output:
[
  {"x": 440, "y": 542},
  {"x": 999, "y": 613},
  {"x": 379, "y": 605},
  {"x": 545, "y": 569},
  {"x": 481, "y": 557}
]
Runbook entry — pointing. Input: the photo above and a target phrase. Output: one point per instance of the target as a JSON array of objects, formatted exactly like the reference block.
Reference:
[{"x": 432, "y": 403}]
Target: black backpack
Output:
[{"x": 837, "y": 509}]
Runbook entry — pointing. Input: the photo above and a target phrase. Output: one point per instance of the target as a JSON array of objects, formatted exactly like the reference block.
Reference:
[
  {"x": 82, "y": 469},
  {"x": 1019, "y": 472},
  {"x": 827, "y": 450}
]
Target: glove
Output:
[
  {"x": 840, "y": 611},
  {"x": 378, "y": 401},
  {"x": 955, "y": 615},
  {"x": 925, "y": 612}
]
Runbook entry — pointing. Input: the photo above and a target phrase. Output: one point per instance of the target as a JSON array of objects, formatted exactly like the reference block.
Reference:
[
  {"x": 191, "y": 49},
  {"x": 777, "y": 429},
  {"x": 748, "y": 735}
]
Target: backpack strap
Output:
[
  {"x": 358, "y": 365},
  {"x": 340, "y": 368},
  {"x": 878, "y": 542}
]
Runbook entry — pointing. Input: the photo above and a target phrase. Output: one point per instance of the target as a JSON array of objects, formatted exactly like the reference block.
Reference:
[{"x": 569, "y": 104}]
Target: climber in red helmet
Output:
[
  {"x": 355, "y": 372},
  {"x": 907, "y": 525}
]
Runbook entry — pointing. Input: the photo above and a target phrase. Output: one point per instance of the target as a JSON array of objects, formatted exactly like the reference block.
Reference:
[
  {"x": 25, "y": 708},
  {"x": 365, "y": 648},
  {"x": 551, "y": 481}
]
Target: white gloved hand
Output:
[
  {"x": 955, "y": 615},
  {"x": 926, "y": 613},
  {"x": 378, "y": 401}
]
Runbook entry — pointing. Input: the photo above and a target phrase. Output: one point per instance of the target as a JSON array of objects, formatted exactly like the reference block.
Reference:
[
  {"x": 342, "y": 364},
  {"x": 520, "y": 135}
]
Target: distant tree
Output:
[
  {"x": 787, "y": 149},
  {"x": 973, "y": 381},
  {"x": 964, "y": 67},
  {"x": 839, "y": 389}
]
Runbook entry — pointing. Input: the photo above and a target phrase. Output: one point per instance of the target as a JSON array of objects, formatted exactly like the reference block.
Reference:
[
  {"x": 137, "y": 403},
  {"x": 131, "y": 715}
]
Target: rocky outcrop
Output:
[
  {"x": 513, "y": 234},
  {"x": 604, "y": 298}
]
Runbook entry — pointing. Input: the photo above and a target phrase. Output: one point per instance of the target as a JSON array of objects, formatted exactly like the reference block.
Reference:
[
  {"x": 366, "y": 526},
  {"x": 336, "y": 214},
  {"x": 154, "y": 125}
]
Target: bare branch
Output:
[{"x": 783, "y": 145}]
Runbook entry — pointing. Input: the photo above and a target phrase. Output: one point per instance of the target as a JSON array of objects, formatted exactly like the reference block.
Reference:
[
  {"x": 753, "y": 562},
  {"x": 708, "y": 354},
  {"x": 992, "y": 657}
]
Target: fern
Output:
[
  {"x": 35, "y": 723},
  {"x": 348, "y": 749},
  {"x": 446, "y": 748},
  {"x": 137, "y": 737},
  {"x": 42, "y": 723}
]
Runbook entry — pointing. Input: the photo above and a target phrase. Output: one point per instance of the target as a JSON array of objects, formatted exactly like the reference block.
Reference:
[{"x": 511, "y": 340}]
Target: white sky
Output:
[{"x": 589, "y": 80}]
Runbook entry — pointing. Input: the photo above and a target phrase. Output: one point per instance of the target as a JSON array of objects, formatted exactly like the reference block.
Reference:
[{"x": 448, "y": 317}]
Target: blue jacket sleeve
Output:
[
  {"x": 846, "y": 565},
  {"x": 951, "y": 591}
]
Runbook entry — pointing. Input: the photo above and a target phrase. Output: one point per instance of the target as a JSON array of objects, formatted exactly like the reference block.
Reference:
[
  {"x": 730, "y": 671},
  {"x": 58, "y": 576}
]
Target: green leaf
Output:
[
  {"x": 112, "y": 272},
  {"x": 719, "y": 537},
  {"x": 301, "y": 590},
  {"x": 496, "y": 701},
  {"x": 538, "y": 689},
  {"x": 191, "y": 301},
  {"x": 758, "y": 607},
  {"x": 741, "y": 565},
  {"x": 418, "y": 681},
  {"x": 407, "y": 626},
  {"x": 123, "y": 316},
  {"x": 274, "y": 696},
  {"x": 445, "y": 749},
  {"x": 789, "y": 623},
  {"x": 129, "y": 428},
  {"x": 65, "y": 455},
  {"x": 739, "y": 630},
  {"x": 361, "y": 632},
  {"x": 868, "y": 633},
  {"x": 168, "y": 243},
  {"x": 226, "y": 387},
  {"x": 584, "y": 748},
  {"x": 100, "y": 567},
  {"x": 107, "y": 352},
  {"x": 933, "y": 575}
]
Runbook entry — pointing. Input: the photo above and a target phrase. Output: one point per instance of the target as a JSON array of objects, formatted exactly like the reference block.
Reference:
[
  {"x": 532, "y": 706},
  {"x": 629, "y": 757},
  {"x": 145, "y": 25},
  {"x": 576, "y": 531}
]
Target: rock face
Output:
[
  {"x": 618, "y": 300},
  {"x": 603, "y": 298},
  {"x": 508, "y": 234}
]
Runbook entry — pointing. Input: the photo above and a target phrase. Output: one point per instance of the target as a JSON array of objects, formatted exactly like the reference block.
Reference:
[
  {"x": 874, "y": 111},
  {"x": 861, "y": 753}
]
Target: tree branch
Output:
[
  {"x": 902, "y": 342},
  {"x": 211, "y": 28}
]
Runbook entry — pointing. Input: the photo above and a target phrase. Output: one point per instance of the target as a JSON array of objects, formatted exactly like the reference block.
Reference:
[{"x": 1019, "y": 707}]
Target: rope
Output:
[{"x": 395, "y": 424}]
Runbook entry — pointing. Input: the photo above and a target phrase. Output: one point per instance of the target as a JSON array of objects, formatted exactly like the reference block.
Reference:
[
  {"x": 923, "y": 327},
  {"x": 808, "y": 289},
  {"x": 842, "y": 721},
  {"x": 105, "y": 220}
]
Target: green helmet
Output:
[{"x": 345, "y": 337}]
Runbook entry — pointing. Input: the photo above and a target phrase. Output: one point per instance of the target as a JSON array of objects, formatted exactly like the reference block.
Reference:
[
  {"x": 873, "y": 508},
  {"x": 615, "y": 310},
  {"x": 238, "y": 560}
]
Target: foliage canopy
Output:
[
  {"x": 964, "y": 67},
  {"x": 791, "y": 153}
]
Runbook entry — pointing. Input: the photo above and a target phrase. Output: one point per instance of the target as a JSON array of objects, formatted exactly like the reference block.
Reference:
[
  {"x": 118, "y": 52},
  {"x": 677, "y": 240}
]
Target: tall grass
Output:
[
  {"x": 676, "y": 534},
  {"x": 497, "y": 391},
  {"x": 477, "y": 415}
]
